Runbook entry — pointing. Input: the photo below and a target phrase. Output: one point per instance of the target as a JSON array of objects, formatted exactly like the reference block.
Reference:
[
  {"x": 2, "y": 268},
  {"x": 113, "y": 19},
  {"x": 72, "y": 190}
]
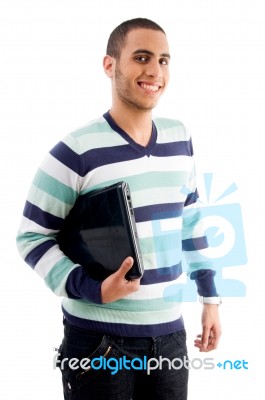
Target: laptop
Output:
[{"x": 100, "y": 232}]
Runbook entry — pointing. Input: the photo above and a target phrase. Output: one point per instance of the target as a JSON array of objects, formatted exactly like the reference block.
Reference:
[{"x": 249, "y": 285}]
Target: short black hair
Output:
[{"x": 118, "y": 36}]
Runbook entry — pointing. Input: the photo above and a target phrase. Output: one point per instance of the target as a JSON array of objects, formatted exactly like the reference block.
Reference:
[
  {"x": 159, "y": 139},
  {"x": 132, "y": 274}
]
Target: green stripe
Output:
[
  {"x": 156, "y": 179},
  {"x": 93, "y": 137},
  {"x": 101, "y": 126},
  {"x": 125, "y": 310},
  {"x": 28, "y": 241},
  {"x": 149, "y": 180},
  {"x": 37, "y": 196},
  {"x": 164, "y": 123},
  {"x": 196, "y": 266},
  {"x": 190, "y": 220},
  {"x": 161, "y": 243},
  {"x": 96, "y": 141},
  {"x": 155, "y": 304},
  {"x": 58, "y": 274},
  {"x": 55, "y": 188},
  {"x": 94, "y": 127}
]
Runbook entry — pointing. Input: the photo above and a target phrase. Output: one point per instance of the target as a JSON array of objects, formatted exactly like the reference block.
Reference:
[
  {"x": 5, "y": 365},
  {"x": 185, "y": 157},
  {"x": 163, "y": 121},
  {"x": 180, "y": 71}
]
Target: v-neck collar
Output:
[{"x": 146, "y": 150}]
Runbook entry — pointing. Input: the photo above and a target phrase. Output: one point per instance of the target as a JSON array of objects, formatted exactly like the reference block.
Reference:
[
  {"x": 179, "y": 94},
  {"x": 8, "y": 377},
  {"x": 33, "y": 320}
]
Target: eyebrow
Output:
[{"x": 149, "y": 53}]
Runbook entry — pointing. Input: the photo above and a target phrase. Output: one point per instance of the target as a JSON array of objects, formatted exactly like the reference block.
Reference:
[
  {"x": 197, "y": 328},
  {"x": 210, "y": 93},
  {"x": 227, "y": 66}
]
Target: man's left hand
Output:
[{"x": 211, "y": 329}]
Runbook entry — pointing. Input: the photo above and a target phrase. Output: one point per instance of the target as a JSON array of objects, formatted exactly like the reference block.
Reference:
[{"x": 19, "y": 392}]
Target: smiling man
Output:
[{"x": 135, "y": 323}]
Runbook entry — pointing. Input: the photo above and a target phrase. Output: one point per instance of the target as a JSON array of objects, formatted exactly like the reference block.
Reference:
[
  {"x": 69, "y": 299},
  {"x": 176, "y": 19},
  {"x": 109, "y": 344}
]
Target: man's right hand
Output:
[{"x": 116, "y": 286}]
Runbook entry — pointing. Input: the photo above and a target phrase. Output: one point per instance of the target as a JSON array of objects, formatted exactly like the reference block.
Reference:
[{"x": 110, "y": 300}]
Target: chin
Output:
[{"x": 147, "y": 106}]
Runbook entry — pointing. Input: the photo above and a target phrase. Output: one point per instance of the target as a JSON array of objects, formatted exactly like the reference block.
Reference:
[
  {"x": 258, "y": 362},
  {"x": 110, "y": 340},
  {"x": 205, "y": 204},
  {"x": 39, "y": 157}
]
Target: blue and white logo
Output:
[{"x": 222, "y": 223}]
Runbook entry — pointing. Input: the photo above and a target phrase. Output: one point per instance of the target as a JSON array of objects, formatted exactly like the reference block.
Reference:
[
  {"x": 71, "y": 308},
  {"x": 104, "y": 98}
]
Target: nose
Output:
[{"x": 154, "y": 69}]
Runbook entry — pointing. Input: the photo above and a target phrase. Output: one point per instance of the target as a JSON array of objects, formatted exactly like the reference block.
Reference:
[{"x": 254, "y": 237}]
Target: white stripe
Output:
[
  {"x": 27, "y": 225},
  {"x": 157, "y": 196},
  {"x": 149, "y": 261},
  {"x": 195, "y": 256},
  {"x": 41, "y": 199},
  {"x": 60, "y": 172},
  {"x": 171, "y": 224},
  {"x": 50, "y": 259},
  {"x": 129, "y": 168},
  {"x": 145, "y": 229}
]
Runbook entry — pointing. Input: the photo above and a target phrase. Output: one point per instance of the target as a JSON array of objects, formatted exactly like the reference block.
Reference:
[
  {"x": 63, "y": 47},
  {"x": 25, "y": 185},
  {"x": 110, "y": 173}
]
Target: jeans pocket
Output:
[
  {"x": 181, "y": 339},
  {"x": 83, "y": 362}
]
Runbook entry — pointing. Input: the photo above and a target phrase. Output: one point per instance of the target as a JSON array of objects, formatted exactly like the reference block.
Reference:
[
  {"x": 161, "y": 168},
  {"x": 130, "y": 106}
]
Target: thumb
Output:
[
  {"x": 126, "y": 266},
  {"x": 205, "y": 337}
]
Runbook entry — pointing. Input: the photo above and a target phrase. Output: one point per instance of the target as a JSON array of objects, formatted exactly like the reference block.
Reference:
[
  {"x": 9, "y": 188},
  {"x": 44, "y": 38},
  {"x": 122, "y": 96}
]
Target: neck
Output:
[{"x": 137, "y": 124}]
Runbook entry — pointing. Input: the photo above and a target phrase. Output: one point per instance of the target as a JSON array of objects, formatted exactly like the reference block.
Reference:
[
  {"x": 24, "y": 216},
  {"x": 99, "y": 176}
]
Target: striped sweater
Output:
[{"x": 162, "y": 181}]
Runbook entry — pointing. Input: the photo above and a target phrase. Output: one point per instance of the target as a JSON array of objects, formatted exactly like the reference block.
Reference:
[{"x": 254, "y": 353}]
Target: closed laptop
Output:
[{"x": 100, "y": 232}]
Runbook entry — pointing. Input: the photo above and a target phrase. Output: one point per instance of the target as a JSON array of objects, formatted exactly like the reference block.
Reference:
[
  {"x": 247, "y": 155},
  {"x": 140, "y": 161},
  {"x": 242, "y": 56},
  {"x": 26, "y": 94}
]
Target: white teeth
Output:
[{"x": 150, "y": 87}]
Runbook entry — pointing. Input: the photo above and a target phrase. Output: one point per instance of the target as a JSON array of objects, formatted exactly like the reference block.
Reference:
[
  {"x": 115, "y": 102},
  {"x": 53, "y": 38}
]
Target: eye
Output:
[
  {"x": 164, "y": 61},
  {"x": 141, "y": 59}
]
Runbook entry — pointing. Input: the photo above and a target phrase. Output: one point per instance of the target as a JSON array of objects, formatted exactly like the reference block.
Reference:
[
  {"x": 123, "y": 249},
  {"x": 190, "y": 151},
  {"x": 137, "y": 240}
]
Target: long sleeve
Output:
[
  {"x": 194, "y": 240},
  {"x": 53, "y": 192}
]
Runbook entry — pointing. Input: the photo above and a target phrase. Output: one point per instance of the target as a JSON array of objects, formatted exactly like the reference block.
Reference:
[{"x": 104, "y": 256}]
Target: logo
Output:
[
  {"x": 114, "y": 365},
  {"x": 218, "y": 218},
  {"x": 233, "y": 365}
]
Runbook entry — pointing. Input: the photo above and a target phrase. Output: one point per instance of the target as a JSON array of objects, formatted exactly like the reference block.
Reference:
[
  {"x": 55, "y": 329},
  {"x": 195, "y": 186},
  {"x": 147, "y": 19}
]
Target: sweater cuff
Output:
[
  {"x": 80, "y": 285},
  {"x": 204, "y": 280}
]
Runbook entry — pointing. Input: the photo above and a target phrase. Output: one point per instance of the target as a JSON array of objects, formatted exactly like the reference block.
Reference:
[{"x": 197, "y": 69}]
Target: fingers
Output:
[
  {"x": 125, "y": 267},
  {"x": 205, "y": 338},
  {"x": 211, "y": 329},
  {"x": 206, "y": 343},
  {"x": 116, "y": 286},
  {"x": 122, "y": 272}
]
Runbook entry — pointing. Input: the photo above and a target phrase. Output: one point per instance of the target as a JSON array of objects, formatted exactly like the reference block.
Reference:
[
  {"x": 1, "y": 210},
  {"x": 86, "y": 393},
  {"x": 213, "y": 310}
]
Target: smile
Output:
[{"x": 151, "y": 88}]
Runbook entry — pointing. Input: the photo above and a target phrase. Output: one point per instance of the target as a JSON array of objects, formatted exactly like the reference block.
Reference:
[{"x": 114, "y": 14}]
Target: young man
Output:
[{"x": 114, "y": 329}]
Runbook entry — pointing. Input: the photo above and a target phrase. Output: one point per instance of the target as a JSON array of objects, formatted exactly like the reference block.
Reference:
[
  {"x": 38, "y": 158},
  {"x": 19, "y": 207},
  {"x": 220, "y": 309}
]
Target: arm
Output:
[
  {"x": 200, "y": 267},
  {"x": 53, "y": 192}
]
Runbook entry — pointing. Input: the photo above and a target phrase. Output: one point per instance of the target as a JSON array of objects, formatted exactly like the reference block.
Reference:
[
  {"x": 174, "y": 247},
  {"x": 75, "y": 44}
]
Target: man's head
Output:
[
  {"x": 137, "y": 63},
  {"x": 118, "y": 36}
]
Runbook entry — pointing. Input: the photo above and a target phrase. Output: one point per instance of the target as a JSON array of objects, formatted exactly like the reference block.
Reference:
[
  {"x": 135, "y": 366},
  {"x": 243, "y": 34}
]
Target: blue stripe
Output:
[
  {"x": 145, "y": 150},
  {"x": 195, "y": 244},
  {"x": 41, "y": 217},
  {"x": 158, "y": 211},
  {"x": 80, "y": 285},
  {"x": 35, "y": 255},
  {"x": 108, "y": 155},
  {"x": 204, "y": 279},
  {"x": 98, "y": 157},
  {"x": 180, "y": 148},
  {"x": 126, "y": 329},
  {"x": 66, "y": 156},
  {"x": 161, "y": 274},
  {"x": 191, "y": 198}
]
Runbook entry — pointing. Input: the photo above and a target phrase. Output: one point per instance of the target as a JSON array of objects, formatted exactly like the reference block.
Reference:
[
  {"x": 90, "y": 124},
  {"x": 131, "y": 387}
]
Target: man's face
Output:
[{"x": 142, "y": 72}]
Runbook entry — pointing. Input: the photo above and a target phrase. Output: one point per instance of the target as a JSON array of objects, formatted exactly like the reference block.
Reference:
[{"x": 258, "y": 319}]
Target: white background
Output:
[{"x": 52, "y": 82}]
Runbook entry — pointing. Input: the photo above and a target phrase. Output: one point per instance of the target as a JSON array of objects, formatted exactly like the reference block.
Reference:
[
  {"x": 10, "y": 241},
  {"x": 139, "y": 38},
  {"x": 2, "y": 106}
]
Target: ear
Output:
[{"x": 109, "y": 66}]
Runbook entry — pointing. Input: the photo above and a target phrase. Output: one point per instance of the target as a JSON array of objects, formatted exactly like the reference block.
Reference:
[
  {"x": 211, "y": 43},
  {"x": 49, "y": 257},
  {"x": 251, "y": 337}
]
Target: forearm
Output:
[{"x": 204, "y": 279}]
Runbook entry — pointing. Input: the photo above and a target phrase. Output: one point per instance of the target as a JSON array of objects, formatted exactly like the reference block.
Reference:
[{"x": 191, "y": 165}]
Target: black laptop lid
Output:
[{"x": 100, "y": 232}]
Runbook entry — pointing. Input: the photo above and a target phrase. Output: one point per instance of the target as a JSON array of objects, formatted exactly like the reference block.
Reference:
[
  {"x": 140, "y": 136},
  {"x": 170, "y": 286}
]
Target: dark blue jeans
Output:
[{"x": 102, "y": 367}]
